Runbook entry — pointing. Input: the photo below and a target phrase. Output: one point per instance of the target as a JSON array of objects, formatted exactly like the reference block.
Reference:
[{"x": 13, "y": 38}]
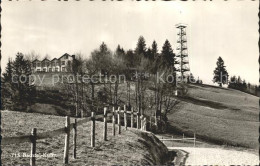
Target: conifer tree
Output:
[
  {"x": 6, "y": 87},
  {"x": 220, "y": 73},
  {"x": 154, "y": 49},
  {"x": 140, "y": 51},
  {"x": 17, "y": 88},
  {"x": 167, "y": 56}
]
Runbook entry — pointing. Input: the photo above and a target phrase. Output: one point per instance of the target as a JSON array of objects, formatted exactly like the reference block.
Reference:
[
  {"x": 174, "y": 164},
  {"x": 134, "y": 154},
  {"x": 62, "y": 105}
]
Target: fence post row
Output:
[
  {"x": 125, "y": 117},
  {"x": 118, "y": 121},
  {"x": 114, "y": 121},
  {"x": 67, "y": 132},
  {"x": 33, "y": 146},
  {"x": 105, "y": 125},
  {"x": 75, "y": 139},
  {"x": 132, "y": 117},
  {"x": 92, "y": 129},
  {"x": 67, "y": 138}
]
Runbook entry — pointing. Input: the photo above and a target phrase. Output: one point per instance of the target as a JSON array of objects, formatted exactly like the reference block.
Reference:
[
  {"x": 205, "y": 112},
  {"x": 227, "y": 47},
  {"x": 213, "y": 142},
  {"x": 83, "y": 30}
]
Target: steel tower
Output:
[{"x": 182, "y": 55}]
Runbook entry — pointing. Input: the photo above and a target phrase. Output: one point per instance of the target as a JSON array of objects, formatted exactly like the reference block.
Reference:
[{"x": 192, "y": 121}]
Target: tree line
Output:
[
  {"x": 142, "y": 90},
  {"x": 221, "y": 77}
]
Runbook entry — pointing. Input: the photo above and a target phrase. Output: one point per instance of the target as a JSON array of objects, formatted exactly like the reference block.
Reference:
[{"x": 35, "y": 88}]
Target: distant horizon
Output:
[{"x": 80, "y": 27}]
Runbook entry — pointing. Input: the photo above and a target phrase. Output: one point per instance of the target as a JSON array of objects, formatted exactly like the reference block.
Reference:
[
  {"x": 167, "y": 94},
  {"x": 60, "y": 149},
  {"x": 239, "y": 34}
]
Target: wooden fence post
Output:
[
  {"x": 155, "y": 123},
  {"x": 194, "y": 143},
  {"x": 137, "y": 121},
  {"x": 114, "y": 121},
  {"x": 105, "y": 125},
  {"x": 172, "y": 141},
  {"x": 132, "y": 117},
  {"x": 75, "y": 139},
  {"x": 118, "y": 121},
  {"x": 145, "y": 124},
  {"x": 33, "y": 146},
  {"x": 67, "y": 141},
  {"x": 93, "y": 129},
  {"x": 150, "y": 124},
  {"x": 125, "y": 117},
  {"x": 141, "y": 118}
]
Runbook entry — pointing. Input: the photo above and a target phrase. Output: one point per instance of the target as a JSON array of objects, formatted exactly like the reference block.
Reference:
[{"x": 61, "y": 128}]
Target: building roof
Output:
[
  {"x": 36, "y": 60},
  {"x": 54, "y": 59},
  {"x": 45, "y": 59},
  {"x": 180, "y": 25},
  {"x": 66, "y": 54}
]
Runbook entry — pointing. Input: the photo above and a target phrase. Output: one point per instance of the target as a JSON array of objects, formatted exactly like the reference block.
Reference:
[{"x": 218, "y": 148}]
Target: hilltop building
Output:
[{"x": 55, "y": 65}]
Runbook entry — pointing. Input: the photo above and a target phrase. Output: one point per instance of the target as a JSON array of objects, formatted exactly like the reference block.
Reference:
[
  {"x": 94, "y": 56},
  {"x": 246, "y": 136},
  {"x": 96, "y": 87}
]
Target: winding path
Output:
[{"x": 217, "y": 156}]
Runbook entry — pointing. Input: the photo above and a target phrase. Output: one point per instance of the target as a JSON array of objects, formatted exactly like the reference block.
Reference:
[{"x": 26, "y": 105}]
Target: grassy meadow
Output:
[{"x": 219, "y": 115}]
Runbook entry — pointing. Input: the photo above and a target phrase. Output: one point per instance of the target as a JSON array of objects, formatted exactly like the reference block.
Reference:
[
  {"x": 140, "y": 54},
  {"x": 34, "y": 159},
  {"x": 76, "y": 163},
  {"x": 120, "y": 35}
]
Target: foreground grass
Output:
[
  {"x": 131, "y": 148},
  {"x": 222, "y": 116}
]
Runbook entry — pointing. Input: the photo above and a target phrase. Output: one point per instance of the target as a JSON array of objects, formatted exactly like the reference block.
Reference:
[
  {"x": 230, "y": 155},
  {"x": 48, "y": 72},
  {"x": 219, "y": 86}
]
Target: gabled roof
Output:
[
  {"x": 54, "y": 59},
  {"x": 66, "y": 54},
  {"x": 45, "y": 59},
  {"x": 36, "y": 60}
]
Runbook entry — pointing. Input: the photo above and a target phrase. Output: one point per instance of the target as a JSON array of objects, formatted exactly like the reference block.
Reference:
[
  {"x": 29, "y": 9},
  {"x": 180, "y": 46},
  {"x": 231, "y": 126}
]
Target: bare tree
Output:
[{"x": 32, "y": 56}]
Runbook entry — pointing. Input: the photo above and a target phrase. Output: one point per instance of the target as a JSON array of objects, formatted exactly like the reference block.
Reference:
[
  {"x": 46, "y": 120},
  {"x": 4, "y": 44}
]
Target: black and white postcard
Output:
[{"x": 129, "y": 82}]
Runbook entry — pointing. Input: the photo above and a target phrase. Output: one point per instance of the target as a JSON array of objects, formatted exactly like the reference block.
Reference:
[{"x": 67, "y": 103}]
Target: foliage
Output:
[
  {"x": 220, "y": 73},
  {"x": 167, "y": 56},
  {"x": 101, "y": 58},
  {"x": 237, "y": 83},
  {"x": 17, "y": 89}
]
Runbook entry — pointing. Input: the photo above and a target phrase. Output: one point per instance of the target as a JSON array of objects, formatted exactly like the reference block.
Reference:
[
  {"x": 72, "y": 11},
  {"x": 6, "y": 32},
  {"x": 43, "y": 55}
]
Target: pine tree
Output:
[
  {"x": 6, "y": 87},
  {"x": 149, "y": 54},
  {"x": 140, "y": 51},
  {"x": 153, "y": 52},
  {"x": 220, "y": 73},
  {"x": 8, "y": 72},
  {"x": 129, "y": 59},
  {"x": 17, "y": 90},
  {"x": 239, "y": 83},
  {"x": 120, "y": 52},
  {"x": 233, "y": 82},
  {"x": 167, "y": 56},
  {"x": 24, "y": 91},
  {"x": 141, "y": 46},
  {"x": 102, "y": 58},
  {"x": 154, "y": 48}
]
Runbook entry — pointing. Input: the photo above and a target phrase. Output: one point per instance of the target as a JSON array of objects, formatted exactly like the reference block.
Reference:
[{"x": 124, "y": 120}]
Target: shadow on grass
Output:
[{"x": 207, "y": 103}]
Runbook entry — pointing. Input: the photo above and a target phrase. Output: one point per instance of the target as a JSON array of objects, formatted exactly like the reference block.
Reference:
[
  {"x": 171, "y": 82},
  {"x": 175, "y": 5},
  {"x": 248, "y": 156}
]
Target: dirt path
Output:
[{"x": 218, "y": 156}]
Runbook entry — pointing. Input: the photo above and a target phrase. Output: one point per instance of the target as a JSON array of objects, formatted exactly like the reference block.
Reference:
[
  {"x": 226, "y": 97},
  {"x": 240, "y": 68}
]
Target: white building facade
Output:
[{"x": 55, "y": 65}]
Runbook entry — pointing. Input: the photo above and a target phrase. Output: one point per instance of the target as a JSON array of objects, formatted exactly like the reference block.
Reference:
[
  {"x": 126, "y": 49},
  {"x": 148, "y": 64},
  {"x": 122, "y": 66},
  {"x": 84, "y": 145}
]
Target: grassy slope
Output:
[
  {"x": 219, "y": 115},
  {"x": 130, "y": 148},
  {"x": 223, "y": 116}
]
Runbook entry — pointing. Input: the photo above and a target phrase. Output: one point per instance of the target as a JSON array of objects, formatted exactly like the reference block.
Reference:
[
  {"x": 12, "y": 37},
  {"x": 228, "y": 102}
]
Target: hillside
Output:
[
  {"x": 219, "y": 115},
  {"x": 132, "y": 147}
]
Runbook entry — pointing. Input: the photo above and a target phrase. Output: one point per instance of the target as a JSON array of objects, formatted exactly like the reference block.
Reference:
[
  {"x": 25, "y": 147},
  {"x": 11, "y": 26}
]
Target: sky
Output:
[{"x": 220, "y": 28}]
